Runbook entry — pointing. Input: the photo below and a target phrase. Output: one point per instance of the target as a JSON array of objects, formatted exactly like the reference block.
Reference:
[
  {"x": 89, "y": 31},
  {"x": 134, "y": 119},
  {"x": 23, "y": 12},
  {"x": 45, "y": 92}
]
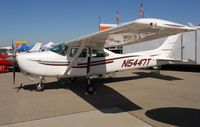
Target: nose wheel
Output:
[{"x": 40, "y": 86}]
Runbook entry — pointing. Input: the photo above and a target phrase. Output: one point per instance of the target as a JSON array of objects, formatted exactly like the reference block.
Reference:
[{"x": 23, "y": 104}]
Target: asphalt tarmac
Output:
[{"x": 171, "y": 98}]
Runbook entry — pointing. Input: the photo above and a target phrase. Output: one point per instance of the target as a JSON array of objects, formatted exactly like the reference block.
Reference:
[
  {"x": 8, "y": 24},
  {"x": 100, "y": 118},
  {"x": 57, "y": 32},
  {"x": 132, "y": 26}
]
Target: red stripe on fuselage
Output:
[
  {"x": 50, "y": 64},
  {"x": 93, "y": 63}
]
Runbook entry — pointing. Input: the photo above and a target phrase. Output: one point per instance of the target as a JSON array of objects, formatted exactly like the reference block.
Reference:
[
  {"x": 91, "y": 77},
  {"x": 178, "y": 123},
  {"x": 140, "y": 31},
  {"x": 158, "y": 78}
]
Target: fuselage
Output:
[{"x": 55, "y": 62}]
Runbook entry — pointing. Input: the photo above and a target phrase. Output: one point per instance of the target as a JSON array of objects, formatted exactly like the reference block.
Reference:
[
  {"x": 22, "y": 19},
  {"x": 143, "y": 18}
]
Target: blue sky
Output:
[{"x": 62, "y": 20}]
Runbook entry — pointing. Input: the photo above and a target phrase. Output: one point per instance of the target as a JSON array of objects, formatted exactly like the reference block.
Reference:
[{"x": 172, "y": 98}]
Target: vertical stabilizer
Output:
[{"x": 167, "y": 48}]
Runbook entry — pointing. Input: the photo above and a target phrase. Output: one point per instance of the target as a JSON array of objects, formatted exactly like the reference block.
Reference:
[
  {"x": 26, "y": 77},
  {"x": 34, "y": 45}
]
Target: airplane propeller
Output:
[{"x": 14, "y": 62}]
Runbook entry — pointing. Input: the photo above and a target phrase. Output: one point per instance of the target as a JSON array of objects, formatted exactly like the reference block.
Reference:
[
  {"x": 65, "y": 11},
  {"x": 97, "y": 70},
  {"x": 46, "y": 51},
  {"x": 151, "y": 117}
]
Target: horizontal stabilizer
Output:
[{"x": 172, "y": 61}]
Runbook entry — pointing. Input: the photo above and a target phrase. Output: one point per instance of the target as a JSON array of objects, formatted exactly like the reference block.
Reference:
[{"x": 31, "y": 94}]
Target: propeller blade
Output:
[
  {"x": 13, "y": 52},
  {"x": 14, "y": 62},
  {"x": 14, "y": 73}
]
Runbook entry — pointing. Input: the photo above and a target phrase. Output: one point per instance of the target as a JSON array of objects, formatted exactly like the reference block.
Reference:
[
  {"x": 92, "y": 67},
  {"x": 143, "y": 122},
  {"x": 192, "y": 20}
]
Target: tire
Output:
[
  {"x": 40, "y": 87},
  {"x": 91, "y": 89}
]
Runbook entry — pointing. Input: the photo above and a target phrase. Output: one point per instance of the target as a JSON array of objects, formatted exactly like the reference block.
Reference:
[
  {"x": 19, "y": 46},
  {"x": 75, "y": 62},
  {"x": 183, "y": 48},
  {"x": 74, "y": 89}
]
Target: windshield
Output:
[{"x": 60, "y": 49}]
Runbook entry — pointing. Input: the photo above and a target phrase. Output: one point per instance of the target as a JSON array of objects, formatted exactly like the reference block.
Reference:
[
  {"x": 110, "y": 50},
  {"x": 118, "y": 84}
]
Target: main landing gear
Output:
[
  {"x": 40, "y": 85},
  {"x": 90, "y": 88}
]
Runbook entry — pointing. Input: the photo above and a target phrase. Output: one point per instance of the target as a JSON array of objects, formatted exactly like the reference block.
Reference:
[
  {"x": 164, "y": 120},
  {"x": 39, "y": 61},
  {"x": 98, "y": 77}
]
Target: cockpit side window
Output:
[
  {"x": 99, "y": 53},
  {"x": 75, "y": 50},
  {"x": 60, "y": 49}
]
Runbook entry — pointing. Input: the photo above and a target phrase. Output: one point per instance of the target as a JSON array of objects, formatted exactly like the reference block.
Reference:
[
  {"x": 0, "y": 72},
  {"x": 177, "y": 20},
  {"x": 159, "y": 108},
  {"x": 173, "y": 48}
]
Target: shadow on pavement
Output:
[
  {"x": 156, "y": 75},
  {"x": 184, "y": 117},
  {"x": 105, "y": 96},
  {"x": 184, "y": 68}
]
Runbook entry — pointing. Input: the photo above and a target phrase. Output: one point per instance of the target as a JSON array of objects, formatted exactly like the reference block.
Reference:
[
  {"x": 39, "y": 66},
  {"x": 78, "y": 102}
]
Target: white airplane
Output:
[
  {"x": 86, "y": 55},
  {"x": 47, "y": 46},
  {"x": 36, "y": 47}
]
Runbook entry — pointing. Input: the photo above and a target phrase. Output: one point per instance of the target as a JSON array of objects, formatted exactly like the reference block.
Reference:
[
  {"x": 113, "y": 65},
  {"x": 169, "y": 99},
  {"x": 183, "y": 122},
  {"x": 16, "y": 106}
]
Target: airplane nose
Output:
[
  {"x": 27, "y": 63},
  {"x": 20, "y": 61},
  {"x": 19, "y": 58},
  {"x": 23, "y": 62}
]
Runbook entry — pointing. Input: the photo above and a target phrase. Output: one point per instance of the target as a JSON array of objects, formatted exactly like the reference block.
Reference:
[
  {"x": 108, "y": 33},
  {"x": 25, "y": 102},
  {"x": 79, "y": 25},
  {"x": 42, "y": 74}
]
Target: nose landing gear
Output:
[{"x": 40, "y": 86}]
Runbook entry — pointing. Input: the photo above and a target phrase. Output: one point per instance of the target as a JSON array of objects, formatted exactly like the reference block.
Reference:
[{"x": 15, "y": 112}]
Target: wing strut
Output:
[
  {"x": 90, "y": 89},
  {"x": 74, "y": 60}
]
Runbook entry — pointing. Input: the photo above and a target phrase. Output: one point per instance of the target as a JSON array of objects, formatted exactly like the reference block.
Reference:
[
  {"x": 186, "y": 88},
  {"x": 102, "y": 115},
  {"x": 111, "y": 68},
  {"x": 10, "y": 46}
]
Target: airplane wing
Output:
[
  {"x": 137, "y": 31},
  {"x": 140, "y": 30}
]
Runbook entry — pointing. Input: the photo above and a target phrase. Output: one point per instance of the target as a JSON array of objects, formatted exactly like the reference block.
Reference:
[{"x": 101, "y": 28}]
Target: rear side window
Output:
[
  {"x": 99, "y": 53},
  {"x": 83, "y": 54}
]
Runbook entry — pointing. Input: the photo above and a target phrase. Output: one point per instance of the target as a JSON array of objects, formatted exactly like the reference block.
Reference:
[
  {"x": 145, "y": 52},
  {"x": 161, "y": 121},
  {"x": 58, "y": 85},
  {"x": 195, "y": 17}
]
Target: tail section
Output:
[{"x": 167, "y": 48}]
